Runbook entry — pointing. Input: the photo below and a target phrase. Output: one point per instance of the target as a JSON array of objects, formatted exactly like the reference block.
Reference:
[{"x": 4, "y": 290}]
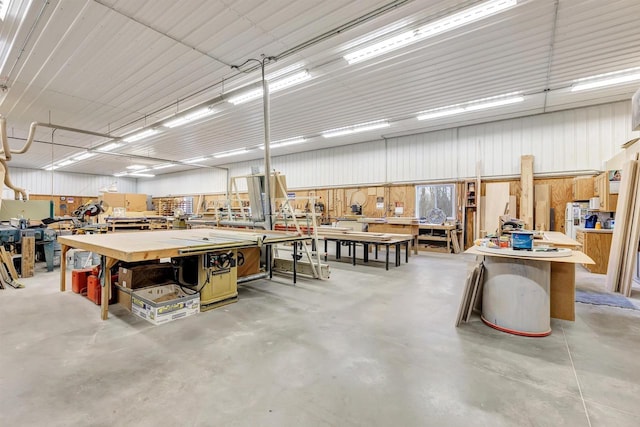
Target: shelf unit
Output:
[{"x": 470, "y": 194}]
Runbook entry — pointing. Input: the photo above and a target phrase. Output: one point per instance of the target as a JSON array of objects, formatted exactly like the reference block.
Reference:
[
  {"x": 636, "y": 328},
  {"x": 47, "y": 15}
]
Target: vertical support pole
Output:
[{"x": 267, "y": 149}]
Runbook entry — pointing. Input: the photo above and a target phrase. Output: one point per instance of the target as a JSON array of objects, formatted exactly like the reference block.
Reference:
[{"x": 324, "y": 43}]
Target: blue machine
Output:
[{"x": 44, "y": 236}]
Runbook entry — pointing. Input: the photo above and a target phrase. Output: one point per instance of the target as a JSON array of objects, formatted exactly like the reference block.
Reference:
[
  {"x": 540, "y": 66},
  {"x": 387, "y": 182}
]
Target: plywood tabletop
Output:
[
  {"x": 138, "y": 246},
  {"x": 576, "y": 257}
]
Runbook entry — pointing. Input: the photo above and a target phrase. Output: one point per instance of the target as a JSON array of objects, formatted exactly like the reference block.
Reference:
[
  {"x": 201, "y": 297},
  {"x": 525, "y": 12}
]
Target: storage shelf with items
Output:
[{"x": 470, "y": 194}]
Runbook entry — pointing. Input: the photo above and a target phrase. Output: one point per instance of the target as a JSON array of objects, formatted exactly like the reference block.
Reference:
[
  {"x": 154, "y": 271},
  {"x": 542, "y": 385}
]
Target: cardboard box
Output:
[
  {"x": 124, "y": 297},
  {"x": 140, "y": 276},
  {"x": 163, "y": 304}
]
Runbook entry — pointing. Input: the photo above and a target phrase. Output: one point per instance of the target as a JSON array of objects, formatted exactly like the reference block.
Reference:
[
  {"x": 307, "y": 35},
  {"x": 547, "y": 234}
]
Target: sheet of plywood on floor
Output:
[
  {"x": 28, "y": 250},
  {"x": 526, "y": 198},
  {"x": 623, "y": 210},
  {"x": 542, "y": 200},
  {"x": 562, "y": 290},
  {"x": 495, "y": 202}
]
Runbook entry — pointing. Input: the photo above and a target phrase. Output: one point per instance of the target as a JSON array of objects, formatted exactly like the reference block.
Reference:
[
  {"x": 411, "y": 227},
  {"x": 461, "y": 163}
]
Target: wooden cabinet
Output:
[
  {"x": 130, "y": 201},
  {"x": 608, "y": 201},
  {"x": 596, "y": 245},
  {"x": 583, "y": 188}
]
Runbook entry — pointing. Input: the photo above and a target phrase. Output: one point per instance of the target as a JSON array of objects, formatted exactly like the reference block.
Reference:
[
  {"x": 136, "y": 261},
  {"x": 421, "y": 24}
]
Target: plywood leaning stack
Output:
[
  {"x": 526, "y": 198},
  {"x": 626, "y": 234}
]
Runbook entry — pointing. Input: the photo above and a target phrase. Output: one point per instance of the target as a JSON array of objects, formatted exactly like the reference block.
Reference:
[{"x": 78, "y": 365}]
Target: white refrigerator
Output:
[{"x": 574, "y": 217}]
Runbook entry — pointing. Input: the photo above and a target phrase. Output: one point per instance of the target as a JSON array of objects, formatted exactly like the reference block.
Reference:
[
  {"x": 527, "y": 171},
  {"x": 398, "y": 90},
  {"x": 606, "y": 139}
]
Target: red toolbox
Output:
[
  {"x": 94, "y": 290},
  {"x": 79, "y": 280}
]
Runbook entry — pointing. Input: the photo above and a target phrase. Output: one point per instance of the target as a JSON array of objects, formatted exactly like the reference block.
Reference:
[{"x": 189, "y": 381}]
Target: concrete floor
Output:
[{"x": 368, "y": 347}]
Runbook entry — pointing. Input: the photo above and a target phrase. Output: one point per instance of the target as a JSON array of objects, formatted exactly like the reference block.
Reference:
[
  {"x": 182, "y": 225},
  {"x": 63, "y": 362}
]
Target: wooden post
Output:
[
  {"x": 526, "y": 198},
  {"x": 28, "y": 256},
  {"x": 63, "y": 267}
]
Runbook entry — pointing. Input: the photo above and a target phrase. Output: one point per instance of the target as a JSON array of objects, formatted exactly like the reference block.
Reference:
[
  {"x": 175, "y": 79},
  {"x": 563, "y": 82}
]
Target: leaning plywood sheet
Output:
[
  {"x": 631, "y": 247},
  {"x": 496, "y": 200},
  {"x": 469, "y": 285},
  {"x": 542, "y": 205},
  {"x": 620, "y": 232},
  {"x": 526, "y": 197}
]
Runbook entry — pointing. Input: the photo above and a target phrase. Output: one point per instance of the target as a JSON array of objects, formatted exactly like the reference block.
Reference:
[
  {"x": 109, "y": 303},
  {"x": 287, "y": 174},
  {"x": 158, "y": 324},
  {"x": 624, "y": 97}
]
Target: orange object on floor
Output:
[
  {"x": 94, "y": 290},
  {"x": 79, "y": 280}
]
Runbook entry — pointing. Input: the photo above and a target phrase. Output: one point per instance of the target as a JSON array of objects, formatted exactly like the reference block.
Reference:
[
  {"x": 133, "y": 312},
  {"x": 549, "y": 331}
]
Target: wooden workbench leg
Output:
[
  {"x": 448, "y": 241},
  {"x": 563, "y": 290},
  {"x": 63, "y": 267},
  {"x": 106, "y": 265},
  {"x": 415, "y": 245},
  {"x": 325, "y": 249},
  {"x": 387, "y": 257}
]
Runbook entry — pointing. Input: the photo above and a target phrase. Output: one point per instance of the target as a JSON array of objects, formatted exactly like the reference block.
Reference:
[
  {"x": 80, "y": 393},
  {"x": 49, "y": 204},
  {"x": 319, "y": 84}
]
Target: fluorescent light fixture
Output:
[
  {"x": 478, "y": 104},
  {"x": 439, "y": 26},
  {"x": 608, "y": 79},
  {"x": 109, "y": 147},
  {"x": 440, "y": 112},
  {"x": 196, "y": 160},
  {"x": 274, "y": 86},
  {"x": 51, "y": 168},
  {"x": 66, "y": 163},
  {"x": 362, "y": 127},
  {"x": 83, "y": 156},
  {"x": 289, "y": 81},
  {"x": 121, "y": 174},
  {"x": 140, "y": 135},
  {"x": 246, "y": 97},
  {"x": 4, "y": 8},
  {"x": 230, "y": 153},
  {"x": 195, "y": 115},
  {"x": 285, "y": 142},
  {"x": 136, "y": 167},
  {"x": 142, "y": 175},
  {"x": 166, "y": 165}
]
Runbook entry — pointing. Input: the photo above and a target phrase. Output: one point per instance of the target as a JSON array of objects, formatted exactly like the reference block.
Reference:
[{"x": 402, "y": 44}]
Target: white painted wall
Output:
[
  {"x": 575, "y": 140},
  {"x": 37, "y": 181},
  {"x": 198, "y": 181}
]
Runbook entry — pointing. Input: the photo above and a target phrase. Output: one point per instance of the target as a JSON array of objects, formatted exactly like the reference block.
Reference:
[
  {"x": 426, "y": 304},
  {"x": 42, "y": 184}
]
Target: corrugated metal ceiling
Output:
[{"x": 113, "y": 66}]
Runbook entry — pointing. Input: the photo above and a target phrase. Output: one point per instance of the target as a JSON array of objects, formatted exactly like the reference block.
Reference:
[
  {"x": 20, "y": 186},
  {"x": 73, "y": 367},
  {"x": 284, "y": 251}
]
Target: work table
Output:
[{"x": 595, "y": 230}]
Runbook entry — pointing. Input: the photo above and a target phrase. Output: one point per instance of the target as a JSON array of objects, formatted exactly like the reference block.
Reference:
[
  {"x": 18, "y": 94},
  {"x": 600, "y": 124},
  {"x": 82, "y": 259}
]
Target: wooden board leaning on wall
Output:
[{"x": 64, "y": 204}]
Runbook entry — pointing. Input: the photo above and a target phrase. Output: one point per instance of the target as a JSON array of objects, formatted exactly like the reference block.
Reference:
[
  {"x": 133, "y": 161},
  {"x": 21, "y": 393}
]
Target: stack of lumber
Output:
[
  {"x": 8, "y": 273},
  {"x": 626, "y": 234}
]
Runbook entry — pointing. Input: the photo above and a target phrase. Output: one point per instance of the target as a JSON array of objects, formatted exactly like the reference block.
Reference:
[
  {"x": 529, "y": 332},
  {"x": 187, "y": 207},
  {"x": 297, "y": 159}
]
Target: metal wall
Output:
[
  {"x": 562, "y": 142},
  {"x": 37, "y": 181},
  {"x": 198, "y": 181}
]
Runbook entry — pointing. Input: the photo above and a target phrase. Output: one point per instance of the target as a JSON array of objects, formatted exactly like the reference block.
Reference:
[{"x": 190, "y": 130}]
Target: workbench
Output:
[
  {"x": 375, "y": 225},
  {"x": 152, "y": 245},
  {"x": 438, "y": 233},
  {"x": 140, "y": 223},
  {"x": 562, "y": 284},
  {"x": 366, "y": 239}
]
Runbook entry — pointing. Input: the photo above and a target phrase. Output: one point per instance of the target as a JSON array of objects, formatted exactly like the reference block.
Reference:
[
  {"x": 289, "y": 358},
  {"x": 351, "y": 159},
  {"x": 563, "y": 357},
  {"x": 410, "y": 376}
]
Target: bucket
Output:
[{"x": 522, "y": 240}]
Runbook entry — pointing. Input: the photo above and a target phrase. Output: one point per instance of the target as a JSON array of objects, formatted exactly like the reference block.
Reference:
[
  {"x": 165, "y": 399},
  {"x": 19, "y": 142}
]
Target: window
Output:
[{"x": 441, "y": 196}]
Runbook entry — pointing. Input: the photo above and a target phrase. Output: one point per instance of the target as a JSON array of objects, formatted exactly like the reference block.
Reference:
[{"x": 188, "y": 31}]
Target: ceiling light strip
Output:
[
  {"x": 274, "y": 86},
  {"x": 476, "y": 105},
  {"x": 362, "y": 127},
  {"x": 440, "y": 26},
  {"x": 609, "y": 79}
]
